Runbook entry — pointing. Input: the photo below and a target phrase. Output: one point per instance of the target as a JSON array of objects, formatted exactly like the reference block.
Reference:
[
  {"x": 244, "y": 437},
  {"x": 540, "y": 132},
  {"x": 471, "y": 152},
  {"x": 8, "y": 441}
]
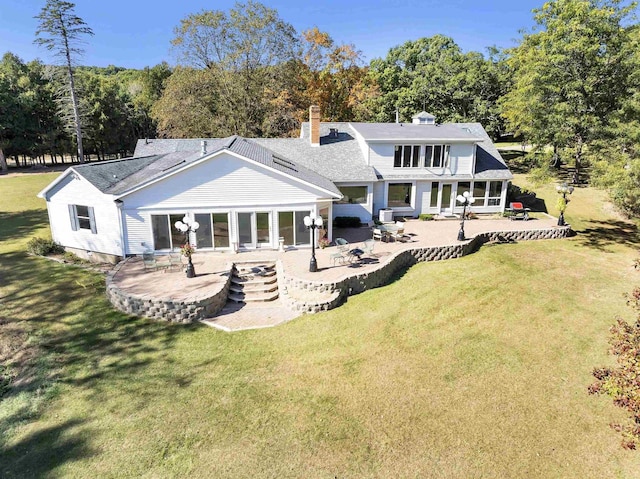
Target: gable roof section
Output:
[
  {"x": 165, "y": 157},
  {"x": 489, "y": 162}
]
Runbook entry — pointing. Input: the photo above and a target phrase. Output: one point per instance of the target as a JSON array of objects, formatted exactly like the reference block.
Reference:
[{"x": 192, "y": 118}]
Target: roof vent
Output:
[
  {"x": 203, "y": 147},
  {"x": 333, "y": 133}
]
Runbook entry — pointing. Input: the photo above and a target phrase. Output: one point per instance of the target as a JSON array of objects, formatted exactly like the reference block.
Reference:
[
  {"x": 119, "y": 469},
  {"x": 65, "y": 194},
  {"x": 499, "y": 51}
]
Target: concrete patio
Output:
[{"x": 173, "y": 290}]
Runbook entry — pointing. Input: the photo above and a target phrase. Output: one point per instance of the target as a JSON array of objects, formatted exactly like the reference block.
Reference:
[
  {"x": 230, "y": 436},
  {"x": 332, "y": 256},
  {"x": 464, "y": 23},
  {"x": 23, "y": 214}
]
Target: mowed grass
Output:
[{"x": 475, "y": 367}]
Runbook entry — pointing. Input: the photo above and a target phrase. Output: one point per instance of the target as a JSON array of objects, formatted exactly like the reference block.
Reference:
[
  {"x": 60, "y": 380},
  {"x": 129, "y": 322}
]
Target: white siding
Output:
[
  {"x": 72, "y": 191},
  {"x": 137, "y": 225},
  {"x": 378, "y": 196},
  {"x": 423, "y": 197},
  {"x": 223, "y": 181},
  {"x": 460, "y": 160}
]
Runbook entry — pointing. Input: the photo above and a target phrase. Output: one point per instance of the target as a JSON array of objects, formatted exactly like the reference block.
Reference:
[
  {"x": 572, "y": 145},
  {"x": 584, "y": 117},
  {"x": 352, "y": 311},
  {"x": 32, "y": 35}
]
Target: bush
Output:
[
  {"x": 346, "y": 222},
  {"x": 620, "y": 382},
  {"x": 425, "y": 217},
  {"x": 43, "y": 247}
]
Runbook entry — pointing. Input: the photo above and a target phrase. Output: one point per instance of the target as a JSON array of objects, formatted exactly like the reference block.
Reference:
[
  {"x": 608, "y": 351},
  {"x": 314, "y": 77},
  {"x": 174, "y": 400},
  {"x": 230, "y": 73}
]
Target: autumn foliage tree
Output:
[{"x": 622, "y": 382}]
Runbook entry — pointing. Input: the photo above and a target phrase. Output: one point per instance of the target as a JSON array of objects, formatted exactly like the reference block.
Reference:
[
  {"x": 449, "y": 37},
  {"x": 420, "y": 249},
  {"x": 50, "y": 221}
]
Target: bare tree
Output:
[{"x": 61, "y": 31}]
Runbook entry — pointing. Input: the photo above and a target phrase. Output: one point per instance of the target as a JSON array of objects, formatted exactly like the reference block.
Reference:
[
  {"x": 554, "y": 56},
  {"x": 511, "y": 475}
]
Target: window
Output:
[
  {"x": 434, "y": 195},
  {"x": 495, "y": 193},
  {"x": 165, "y": 234},
  {"x": 464, "y": 186},
  {"x": 406, "y": 156},
  {"x": 82, "y": 218},
  {"x": 292, "y": 228},
  {"x": 213, "y": 231},
  {"x": 479, "y": 190},
  {"x": 399, "y": 195},
  {"x": 353, "y": 195},
  {"x": 436, "y": 156}
]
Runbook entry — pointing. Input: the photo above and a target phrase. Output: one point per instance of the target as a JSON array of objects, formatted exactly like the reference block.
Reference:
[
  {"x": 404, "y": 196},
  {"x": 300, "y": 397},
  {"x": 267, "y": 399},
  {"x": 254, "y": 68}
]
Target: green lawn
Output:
[{"x": 475, "y": 367}]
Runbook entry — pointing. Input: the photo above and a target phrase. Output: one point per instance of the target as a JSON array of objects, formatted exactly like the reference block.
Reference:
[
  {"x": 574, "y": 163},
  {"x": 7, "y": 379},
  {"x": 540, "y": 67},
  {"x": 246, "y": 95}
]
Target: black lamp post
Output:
[
  {"x": 187, "y": 225},
  {"x": 465, "y": 199},
  {"x": 564, "y": 189},
  {"x": 312, "y": 223}
]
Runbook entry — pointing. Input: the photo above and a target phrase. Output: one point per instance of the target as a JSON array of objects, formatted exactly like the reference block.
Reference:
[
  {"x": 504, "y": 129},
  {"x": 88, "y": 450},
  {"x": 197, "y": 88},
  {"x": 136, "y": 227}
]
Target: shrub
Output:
[
  {"x": 621, "y": 382},
  {"x": 346, "y": 222},
  {"x": 425, "y": 217},
  {"x": 43, "y": 247}
]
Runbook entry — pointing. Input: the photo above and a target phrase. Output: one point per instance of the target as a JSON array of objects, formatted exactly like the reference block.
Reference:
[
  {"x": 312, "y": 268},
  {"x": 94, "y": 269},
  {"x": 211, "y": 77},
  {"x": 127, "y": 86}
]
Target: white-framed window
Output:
[
  {"x": 82, "y": 218},
  {"x": 406, "y": 156},
  {"x": 495, "y": 193},
  {"x": 400, "y": 195},
  {"x": 353, "y": 195},
  {"x": 480, "y": 193},
  {"x": 436, "y": 156}
]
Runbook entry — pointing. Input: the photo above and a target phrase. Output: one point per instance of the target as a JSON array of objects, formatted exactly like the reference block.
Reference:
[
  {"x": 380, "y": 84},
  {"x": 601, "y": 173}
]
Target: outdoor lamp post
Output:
[
  {"x": 187, "y": 225},
  {"x": 564, "y": 189},
  {"x": 465, "y": 199},
  {"x": 312, "y": 223}
]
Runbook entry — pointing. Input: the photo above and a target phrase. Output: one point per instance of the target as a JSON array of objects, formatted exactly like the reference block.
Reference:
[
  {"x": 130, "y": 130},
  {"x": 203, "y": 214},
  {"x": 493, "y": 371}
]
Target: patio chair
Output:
[
  {"x": 149, "y": 260},
  {"x": 367, "y": 246},
  {"x": 342, "y": 244},
  {"x": 175, "y": 261},
  {"x": 377, "y": 234}
]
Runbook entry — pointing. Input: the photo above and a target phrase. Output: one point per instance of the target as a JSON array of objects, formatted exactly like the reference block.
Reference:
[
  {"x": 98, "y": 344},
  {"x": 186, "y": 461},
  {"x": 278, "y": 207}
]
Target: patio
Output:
[{"x": 136, "y": 290}]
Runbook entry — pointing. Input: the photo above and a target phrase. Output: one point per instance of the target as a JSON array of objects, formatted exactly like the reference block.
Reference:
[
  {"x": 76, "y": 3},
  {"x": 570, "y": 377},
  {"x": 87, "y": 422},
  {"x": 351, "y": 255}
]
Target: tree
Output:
[
  {"x": 242, "y": 50},
  {"x": 188, "y": 107},
  {"x": 333, "y": 76},
  {"x": 61, "y": 31},
  {"x": 570, "y": 75},
  {"x": 433, "y": 74}
]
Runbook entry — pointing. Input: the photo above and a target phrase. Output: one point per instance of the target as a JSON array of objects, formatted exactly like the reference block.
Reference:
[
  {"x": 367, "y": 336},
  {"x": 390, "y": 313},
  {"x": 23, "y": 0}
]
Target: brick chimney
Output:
[{"x": 314, "y": 124}]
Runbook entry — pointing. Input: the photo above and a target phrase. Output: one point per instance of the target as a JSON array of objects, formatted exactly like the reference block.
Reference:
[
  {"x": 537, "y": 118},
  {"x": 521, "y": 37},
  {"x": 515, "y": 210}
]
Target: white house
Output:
[{"x": 248, "y": 193}]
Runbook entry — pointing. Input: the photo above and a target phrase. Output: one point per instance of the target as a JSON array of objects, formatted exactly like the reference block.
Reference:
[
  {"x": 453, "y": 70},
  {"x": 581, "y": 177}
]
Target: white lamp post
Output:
[
  {"x": 312, "y": 223},
  {"x": 465, "y": 199},
  {"x": 187, "y": 225}
]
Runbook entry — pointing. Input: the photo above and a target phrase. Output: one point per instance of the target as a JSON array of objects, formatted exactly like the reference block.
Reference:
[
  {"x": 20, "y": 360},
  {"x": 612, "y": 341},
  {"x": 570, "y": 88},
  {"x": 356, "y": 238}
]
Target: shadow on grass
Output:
[
  {"x": 21, "y": 224},
  {"x": 40, "y": 453},
  {"x": 80, "y": 341},
  {"x": 601, "y": 234}
]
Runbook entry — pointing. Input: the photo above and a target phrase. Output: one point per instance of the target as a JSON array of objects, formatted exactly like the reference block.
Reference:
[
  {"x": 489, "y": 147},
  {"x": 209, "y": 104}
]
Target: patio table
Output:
[{"x": 388, "y": 230}]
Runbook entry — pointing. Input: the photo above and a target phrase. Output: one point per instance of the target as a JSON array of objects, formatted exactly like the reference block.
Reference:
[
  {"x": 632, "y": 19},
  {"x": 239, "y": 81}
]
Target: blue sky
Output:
[{"x": 137, "y": 33}]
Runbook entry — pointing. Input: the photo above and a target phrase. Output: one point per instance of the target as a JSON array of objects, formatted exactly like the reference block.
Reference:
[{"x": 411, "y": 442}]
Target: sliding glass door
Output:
[
  {"x": 254, "y": 229},
  {"x": 213, "y": 231}
]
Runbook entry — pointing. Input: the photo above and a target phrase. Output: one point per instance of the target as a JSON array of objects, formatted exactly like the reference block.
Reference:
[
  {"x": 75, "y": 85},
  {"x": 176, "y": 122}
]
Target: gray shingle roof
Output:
[
  {"x": 163, "y": 156},
  {"x": 413, "y": 132},
  {"x": 338, "y": 158}
]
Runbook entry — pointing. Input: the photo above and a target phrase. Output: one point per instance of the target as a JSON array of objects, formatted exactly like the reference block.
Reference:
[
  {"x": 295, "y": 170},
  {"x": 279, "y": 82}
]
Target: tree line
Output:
[{"x": 569, "y": 88}]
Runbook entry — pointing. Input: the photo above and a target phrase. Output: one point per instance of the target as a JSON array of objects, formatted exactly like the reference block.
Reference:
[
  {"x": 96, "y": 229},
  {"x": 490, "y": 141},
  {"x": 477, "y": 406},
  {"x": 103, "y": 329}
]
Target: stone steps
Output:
[{"x": 253, "y": 282}]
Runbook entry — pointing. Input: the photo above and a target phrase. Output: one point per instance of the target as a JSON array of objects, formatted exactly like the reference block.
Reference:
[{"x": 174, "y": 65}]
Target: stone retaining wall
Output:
[
  {"x": 306, "y": 296},
  {"x": 164, "y": 309},
  {"x": 401, "y": 261}
]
